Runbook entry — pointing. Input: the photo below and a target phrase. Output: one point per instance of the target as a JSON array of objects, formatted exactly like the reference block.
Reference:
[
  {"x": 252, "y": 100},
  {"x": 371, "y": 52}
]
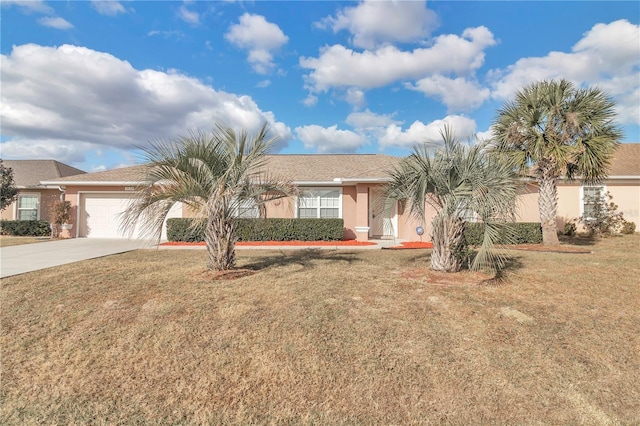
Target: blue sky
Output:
[{"x": 87, "y": 83}]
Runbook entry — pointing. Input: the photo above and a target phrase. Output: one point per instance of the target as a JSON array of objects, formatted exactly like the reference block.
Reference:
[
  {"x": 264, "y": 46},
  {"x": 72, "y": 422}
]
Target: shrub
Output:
[
  {"x": 32, "y": 228},
  {"x": 521, "y": 233},
  {"x": 178, "y": 229},
  {"x": 605, "y": 219},
  {"x": 628, "y": 228},
  {"x": 570, "y": 228}
]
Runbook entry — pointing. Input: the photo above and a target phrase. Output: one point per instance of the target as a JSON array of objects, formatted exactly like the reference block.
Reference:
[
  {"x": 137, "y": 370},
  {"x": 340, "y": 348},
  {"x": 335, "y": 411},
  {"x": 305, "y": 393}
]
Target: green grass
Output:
[{"x": 324, "y": 337}]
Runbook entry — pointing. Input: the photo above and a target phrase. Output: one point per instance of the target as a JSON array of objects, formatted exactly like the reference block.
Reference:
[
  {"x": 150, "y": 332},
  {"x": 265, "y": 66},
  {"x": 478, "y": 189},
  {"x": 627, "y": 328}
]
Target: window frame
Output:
[
  {"x": 21, "y": 195},
  {"x": 317, "y": 193},
  {"x": 242, "y": 207},
  {"x": 603, "y": 193}
]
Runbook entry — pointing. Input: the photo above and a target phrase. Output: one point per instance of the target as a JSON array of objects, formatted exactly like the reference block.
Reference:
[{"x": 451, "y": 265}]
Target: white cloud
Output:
[
  {"x": 339, "y": 67},
  {"x": 264, "y": 83},
  {"x": 55, "y": 22},
  {"x": 259, "y": 37},
  {"x": 369, "y": 121},
  {"x": 188, "y": 16},
  {"x": 458, "y": 94},
  {"x": 29, "y": 6},
  {"x": 167, "y": 34},
  {"x": 374, "y": 23},
  {"x": 310, "y": 100},
  {"x": 68, "y": 97},
  {"x": 355, "y": 97},
  {"x": 108, "y": 7},
  {"x": 608, "y": 56},
  {"x": 419, "y": 132},
  {"x": 330, "y": 139}
]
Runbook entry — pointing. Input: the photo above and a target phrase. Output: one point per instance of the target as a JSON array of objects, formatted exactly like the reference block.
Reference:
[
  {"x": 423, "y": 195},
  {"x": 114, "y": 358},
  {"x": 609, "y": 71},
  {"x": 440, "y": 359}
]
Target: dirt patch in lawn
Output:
[
  {"x": 232, "y": 274},
  {"x": 463, "y": 278}
]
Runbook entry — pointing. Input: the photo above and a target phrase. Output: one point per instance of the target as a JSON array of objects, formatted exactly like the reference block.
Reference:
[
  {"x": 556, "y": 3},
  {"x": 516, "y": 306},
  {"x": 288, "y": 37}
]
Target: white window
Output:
[
  {"x": 247, "y": 209},
  {"x": 28, "y": 207},
  {"x": 320, "y": 203},
  {"x": 592, "y": 195}
]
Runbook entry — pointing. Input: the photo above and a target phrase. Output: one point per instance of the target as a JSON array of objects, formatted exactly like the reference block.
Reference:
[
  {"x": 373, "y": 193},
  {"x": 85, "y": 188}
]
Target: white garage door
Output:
[{"x": 101, "y": 215}]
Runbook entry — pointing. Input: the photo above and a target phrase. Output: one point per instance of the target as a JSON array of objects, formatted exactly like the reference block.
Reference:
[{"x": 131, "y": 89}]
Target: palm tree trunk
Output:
[
  {"x": 548, "y": 206},
  {"x": 220, "y": 240},
  {"x": 446, "y": 236}
]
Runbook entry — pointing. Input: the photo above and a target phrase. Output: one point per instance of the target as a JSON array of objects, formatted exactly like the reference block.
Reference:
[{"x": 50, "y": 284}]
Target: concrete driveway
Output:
[{"x": 24, "y": 258}]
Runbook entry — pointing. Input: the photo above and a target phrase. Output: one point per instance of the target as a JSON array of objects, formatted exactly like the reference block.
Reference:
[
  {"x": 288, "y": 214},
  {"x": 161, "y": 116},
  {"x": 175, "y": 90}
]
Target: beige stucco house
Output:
[
  {"x": 623, "y": 183},
  {"x": 346, "y": 186},
  {"x": 35, "y": 200}
]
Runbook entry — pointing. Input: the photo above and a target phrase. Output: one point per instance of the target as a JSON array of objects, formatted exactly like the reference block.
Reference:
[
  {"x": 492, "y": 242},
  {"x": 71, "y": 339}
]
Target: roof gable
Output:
[{"x": 29, "y": 173}]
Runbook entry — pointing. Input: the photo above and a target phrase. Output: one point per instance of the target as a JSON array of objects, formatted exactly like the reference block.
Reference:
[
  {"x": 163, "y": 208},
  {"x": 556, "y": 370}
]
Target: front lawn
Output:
[
  {"x": 324, "y": 337},
  {"x": 8, "y": 240}
]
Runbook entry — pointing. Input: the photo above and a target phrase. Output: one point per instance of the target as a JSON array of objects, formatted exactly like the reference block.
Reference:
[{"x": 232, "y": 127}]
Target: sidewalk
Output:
[{"x": 379, "y": 245}]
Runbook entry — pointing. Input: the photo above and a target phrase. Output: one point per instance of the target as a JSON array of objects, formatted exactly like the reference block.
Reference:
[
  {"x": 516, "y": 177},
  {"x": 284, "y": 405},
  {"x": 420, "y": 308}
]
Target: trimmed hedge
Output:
[
  {"x": 31, "y": 228},
  {"x": 523, "y": 233},
  {"x": 265, "y": 230}
]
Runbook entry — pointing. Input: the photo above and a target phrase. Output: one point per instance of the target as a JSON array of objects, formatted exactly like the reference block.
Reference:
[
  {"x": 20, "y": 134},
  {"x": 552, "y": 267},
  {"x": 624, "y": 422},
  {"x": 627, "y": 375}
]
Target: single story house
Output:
[
  {"x": 347, "y": 186},
  {"x": 35, "y": 200},
  {"x": 575, "y": 199}
]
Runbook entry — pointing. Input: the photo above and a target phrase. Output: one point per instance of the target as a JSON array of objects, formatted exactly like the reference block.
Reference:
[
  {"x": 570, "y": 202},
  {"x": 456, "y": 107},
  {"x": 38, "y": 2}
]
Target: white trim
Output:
[
  {"x": 96, "y": 183},
  {"x": 582, "y": 187},
  {"x": 317, "y": 183},
  {"x": 394, "y": 216},
  {"x": 363, "y": 180},
  {"x": 320, "y": 188},
  {"x": 28, "y": 193}
]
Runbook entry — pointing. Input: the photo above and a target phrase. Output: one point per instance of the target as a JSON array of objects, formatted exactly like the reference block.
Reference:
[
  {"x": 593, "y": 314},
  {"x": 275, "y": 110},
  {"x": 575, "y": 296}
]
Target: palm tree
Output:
[
  {"x": 213, "y": 174},
  {"x": 458, "y": 181},
  {"x": 555, "y": 129}
]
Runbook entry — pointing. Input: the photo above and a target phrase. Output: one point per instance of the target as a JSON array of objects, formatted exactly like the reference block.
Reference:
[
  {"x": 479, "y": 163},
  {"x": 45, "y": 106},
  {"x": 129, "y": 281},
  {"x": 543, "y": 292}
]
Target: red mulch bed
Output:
[
  {"x": 412, "y": 245},
  {"x": 348, "y": 243}
]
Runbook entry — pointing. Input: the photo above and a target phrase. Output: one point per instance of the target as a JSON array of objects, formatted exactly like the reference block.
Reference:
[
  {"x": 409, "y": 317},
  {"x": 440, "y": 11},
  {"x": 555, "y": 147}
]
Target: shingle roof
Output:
[
  {"x": 327, "y": 167},
  {"x": 298, "y": 168},
  {"x": 132, "y": 174},
  {"x": 29, "y": 173},
  {"x": 626, "y": 161}
]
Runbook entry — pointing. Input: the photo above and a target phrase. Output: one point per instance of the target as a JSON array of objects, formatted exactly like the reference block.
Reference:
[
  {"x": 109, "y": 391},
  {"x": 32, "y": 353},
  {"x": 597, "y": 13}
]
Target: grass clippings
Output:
[{"x": 323, "y": 337}]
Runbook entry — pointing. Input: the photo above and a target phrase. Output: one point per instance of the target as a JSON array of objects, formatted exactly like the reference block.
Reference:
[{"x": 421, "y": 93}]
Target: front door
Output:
[{"x": 382, "y": 221}]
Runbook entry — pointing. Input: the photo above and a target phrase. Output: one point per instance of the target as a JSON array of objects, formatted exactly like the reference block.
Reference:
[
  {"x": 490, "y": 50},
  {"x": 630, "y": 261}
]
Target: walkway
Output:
[{"x": 24, "y": 258}]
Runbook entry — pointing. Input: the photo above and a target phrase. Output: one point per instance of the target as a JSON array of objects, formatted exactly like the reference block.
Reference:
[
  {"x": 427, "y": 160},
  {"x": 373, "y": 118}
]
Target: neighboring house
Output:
[
  {"x": 347, "y": 186},
  {"x": 35, "y": 200},
  {"x": 623, "y": 183}
]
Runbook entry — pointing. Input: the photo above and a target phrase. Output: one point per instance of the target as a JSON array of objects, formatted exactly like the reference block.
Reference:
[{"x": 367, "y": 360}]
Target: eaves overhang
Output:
[{"x": 95, "y": 183}]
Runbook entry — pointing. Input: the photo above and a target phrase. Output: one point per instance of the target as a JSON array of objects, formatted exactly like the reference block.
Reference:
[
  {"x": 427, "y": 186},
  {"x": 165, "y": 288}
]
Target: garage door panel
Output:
[{"x": 101, "y": 215}]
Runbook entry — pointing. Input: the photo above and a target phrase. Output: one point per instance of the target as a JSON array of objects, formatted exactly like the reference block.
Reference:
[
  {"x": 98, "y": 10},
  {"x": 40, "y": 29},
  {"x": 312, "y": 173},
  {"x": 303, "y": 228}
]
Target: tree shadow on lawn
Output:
[
  {"x": 304, "y": 258},
  {"x": 578, "y": 240},
  {"x": 512, "y": 263}
]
